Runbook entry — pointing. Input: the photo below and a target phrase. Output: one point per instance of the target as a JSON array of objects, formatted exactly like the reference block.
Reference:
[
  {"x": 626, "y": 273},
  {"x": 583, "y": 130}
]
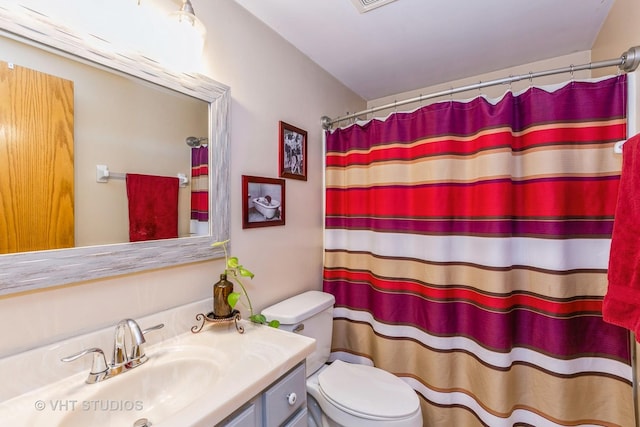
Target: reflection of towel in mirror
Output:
[
  {"x": 622, "y": 302},
  {"x": 153, "y": 207}
]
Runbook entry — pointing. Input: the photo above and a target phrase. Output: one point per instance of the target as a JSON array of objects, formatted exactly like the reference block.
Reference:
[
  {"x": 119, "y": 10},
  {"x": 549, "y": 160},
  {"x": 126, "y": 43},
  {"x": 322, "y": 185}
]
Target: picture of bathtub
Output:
[
  {"x": 267, "y": 206},
  {"x": 263, "y": 201}
]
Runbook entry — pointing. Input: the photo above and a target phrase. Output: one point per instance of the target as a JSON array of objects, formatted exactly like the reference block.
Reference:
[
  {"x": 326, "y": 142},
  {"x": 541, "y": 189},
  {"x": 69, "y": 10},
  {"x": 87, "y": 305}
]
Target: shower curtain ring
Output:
[
  {"x": 345, "y": 120},
  {"x": 530, "y": 79},
  {"x": 571, "y": 70}
]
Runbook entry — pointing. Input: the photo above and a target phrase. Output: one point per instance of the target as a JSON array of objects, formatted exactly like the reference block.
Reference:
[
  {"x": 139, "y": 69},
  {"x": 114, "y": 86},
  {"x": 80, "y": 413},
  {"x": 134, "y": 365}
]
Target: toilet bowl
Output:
[
  {"x": 340, "y": 393},
  {"x": 359, "y": 395}
]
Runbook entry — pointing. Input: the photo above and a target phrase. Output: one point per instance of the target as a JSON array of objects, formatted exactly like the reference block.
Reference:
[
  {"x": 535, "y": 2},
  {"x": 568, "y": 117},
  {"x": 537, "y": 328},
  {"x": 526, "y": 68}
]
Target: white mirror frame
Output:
[{"x": 28, "y": 271}]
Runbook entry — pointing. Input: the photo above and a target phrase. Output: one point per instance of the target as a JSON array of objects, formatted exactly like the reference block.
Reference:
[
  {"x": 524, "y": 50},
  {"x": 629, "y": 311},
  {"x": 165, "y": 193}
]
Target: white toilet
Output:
[{"x": 343, "y": 394}]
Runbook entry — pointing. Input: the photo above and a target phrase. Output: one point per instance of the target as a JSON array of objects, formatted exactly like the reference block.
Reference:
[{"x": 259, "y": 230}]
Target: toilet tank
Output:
[{"x": 309, "y": 314}]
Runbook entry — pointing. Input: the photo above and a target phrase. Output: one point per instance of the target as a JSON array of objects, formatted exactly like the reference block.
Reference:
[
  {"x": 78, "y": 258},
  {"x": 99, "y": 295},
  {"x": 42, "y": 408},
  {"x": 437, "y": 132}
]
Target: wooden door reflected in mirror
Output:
[{"x": 36, "y": 160}]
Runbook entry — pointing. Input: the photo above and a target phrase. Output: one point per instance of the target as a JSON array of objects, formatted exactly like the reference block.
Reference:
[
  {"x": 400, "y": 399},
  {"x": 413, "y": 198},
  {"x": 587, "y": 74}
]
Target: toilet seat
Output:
[{"x": 367, "y": 392}]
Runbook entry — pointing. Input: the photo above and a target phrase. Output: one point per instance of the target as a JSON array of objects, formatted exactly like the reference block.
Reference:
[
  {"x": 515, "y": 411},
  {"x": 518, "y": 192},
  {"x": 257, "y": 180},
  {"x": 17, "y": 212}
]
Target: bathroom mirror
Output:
[{"x": 35, "y": 270}]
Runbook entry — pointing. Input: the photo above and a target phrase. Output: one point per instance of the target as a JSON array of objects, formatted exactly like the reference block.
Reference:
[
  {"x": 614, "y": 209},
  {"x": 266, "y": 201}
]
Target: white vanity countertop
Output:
[
  {"x": 265, "y": 354},
  {"x": 243, "y": 366}
]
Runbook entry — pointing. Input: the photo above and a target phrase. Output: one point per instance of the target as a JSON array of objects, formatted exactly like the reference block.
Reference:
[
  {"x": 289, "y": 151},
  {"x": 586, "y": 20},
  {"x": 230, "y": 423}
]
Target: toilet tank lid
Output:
[{"x": 299, "y": 307}]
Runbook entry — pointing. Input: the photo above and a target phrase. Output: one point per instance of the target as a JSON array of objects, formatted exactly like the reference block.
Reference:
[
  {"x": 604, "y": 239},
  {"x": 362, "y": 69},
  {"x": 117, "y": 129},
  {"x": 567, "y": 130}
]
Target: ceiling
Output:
[{"x": 411, "y": 44}]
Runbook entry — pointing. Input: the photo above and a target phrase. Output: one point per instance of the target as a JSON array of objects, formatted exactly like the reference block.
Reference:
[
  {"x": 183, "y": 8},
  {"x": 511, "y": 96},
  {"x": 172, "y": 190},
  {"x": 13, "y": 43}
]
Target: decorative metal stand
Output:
[{"x": 210, "y": 318}]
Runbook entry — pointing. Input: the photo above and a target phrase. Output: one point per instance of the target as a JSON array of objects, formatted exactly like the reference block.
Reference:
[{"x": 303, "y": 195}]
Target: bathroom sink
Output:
[
  {"x": 188, "y": 380},
  {"x": 160, "y": 388},
  {"x": 173, "y": 378}
]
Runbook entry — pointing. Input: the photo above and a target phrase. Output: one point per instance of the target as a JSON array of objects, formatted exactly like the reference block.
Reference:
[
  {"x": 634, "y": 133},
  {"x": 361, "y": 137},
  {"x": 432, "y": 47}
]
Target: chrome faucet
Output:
[
  {"x": 120, "y": 356},
  {"x": 122, "y": 361}
]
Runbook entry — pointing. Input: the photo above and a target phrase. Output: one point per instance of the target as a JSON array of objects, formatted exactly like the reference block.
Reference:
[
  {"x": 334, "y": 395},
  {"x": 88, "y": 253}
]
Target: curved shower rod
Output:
[{"x": 627, "y": 62}]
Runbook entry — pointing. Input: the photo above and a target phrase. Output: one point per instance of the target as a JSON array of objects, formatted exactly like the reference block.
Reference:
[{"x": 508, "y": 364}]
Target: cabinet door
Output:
[
  {"x": 285, "y": 397},
  {"x": 300, "y": 420},
  {"x": 248, "y": 417}
]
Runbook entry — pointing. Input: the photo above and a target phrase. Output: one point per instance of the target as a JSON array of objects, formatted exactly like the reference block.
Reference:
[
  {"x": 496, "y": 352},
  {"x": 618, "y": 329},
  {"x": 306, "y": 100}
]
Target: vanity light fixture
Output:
[
  {"x": 368, "y": 5},
  {"x": 187, "y": 15},
  {"x": 188, "y": 34},
  {"x": 187, "y": 9}
]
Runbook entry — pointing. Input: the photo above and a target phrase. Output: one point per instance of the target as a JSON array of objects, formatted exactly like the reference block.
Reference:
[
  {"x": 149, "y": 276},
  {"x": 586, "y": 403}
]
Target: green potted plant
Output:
[{"x": 235, "y": 271}]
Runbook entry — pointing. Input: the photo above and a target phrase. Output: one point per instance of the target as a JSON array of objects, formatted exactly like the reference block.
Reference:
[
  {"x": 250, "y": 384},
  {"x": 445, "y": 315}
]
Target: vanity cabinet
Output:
[{"x": 283, "y": 403}]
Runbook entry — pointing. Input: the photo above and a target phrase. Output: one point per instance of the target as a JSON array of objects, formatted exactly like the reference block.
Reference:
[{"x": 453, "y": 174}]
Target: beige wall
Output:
[
  {"x": 270, "y": 81},
  {"x": 619, "y": 32}
]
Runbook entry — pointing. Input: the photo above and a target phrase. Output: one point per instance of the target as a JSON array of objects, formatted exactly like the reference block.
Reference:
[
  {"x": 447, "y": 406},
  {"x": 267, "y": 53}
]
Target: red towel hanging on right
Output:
[
  {"x": 153, "y": 207},
  {"x": 622, "y": 301}
]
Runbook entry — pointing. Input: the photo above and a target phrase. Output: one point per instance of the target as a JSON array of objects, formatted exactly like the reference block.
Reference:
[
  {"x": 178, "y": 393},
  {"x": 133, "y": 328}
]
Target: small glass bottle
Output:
[{"x": 221, "y": 291}]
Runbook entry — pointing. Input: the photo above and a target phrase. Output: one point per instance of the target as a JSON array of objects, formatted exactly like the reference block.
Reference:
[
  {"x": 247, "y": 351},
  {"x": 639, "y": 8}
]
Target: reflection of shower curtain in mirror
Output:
[
  {"x": 467, "y": 246},
  {"x": 200, "y": 191}
]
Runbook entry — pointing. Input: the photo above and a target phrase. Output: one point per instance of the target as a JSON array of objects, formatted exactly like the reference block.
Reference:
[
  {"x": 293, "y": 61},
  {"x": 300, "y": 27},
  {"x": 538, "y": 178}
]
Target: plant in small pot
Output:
[{"x": 224, "y": 294}]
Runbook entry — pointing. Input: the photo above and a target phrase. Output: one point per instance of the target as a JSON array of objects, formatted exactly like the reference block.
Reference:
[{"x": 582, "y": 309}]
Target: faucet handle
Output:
[
  {"x": 153, "y": 328},
  {"x": 136, "y": 351},
  {"x": 99, "y": 360}
]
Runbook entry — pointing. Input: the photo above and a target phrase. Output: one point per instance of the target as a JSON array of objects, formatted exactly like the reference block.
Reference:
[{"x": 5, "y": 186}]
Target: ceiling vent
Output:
[{"x": 367, "y": 5}]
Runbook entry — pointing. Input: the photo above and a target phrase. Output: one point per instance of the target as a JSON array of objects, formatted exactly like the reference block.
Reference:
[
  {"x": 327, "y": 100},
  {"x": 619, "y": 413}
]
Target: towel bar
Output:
[{"x": 103, "y": 174}]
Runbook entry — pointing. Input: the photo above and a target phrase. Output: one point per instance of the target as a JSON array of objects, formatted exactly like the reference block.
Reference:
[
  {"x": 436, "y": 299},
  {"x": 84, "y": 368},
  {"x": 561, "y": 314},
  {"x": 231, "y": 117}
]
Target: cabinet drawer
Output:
[{"x": 285, "y": 397}]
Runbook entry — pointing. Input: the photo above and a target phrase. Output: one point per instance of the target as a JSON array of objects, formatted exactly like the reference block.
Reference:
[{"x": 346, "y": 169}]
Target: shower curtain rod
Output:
[{"x": 627, "y": 62}]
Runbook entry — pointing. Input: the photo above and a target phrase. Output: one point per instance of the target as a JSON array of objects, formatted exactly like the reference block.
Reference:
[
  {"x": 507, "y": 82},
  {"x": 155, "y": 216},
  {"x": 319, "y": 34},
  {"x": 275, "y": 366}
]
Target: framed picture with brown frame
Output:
[
  {"x": 293, "y": 152},
  {"x": 263, "y": 201}
]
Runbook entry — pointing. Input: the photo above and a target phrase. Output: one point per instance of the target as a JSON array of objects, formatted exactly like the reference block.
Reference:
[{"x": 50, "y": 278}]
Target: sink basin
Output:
[{"x": 161, "y": 387}]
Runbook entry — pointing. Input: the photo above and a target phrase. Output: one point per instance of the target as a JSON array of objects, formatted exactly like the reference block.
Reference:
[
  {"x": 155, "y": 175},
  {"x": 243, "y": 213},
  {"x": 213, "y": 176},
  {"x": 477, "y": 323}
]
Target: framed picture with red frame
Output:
[
  {"x": 263, "y": 201},
  {"x": 293, "y": 152}
]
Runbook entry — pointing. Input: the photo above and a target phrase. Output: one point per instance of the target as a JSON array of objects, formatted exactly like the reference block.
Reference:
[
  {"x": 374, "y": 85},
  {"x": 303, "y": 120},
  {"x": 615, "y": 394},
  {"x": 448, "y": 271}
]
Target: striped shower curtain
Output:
[
  {"x": 200, "y": 191},
  {"x": 467, "y": 243}
]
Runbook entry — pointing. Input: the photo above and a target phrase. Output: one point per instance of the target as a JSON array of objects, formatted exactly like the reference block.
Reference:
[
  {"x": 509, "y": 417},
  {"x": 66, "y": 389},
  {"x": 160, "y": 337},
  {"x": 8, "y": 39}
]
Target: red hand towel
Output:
[
  {"x": 153, "y": 207},
  {"x": 622, "y": 302}
]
